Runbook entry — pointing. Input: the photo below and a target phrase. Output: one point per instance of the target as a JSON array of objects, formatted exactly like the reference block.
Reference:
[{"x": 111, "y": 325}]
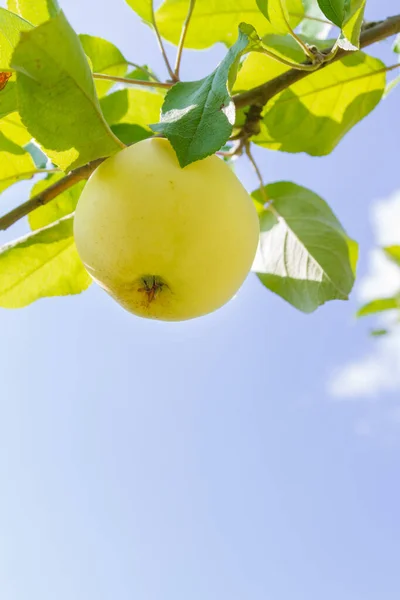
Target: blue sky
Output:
[{"x": 213, "y": 458}]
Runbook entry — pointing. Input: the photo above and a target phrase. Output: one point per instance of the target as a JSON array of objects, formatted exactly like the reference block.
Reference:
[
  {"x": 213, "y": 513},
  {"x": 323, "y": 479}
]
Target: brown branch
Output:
[
  {"x": 263, "y": 93},
  {"x": 48, "y": 194}
]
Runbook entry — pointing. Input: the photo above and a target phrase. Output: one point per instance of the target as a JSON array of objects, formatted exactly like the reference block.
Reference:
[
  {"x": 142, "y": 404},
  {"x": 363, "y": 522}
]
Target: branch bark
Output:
[
  {"x": 260, "y": 95},
  {"x": 48, "y": 194}
]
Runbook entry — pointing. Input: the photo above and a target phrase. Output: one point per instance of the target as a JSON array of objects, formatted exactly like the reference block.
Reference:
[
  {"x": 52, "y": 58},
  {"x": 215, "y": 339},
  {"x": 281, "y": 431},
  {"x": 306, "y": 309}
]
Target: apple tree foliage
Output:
[{"x": 293, "y": 79}]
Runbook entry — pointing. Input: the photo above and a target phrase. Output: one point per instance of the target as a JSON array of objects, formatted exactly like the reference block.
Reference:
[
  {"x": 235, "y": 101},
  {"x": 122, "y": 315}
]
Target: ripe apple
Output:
[{"x": 167, "y": 243}]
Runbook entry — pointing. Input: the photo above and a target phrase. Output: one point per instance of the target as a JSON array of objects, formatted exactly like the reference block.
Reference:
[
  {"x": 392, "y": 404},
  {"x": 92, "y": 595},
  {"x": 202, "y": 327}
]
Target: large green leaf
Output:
[
  {"x": 393, "y": 252},
  {"x": 65, "y": 116},
  {"x": 348, "y": 15},
  {"x": 64, "y": 204},
  {"x": 8, "y": 99},
  {"x": 104, "y": 58},
  {"x": 142, "y": 8},
  {"x": 379, "y": 305},
  {"x": 276, "y": 11},
  {"x": 34, "y": 11},
  {"x": 315, "y": 113},
  {"x": 135, "y": 106},
  {"x": 15, "y": 162},
  {"x": 216, "y": 20},
  {"x": 198, "y": 116},
  {"x": 11, "y": 26},
  {"x": 304, "y": 254},
  {"x": 41, "y": 264}
]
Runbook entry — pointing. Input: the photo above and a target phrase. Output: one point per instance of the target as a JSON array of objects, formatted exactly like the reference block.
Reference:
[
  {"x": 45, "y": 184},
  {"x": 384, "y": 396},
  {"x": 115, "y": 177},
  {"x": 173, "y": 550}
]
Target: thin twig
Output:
[
  {"x": 263, "y": 191},
  {"x": 143, "y": 69},
  {"x": 263, "y": 93},
  {"x": 48, "y": 194},
  {"x": 181, "y": 44},
  {"x": 129, "y": 81},
  {"x": 160, "y": 43}
]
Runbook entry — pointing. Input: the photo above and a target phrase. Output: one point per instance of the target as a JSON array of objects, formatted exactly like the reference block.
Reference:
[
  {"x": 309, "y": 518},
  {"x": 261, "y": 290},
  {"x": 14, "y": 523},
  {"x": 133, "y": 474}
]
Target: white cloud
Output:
[{"x": 379, "y": 369}]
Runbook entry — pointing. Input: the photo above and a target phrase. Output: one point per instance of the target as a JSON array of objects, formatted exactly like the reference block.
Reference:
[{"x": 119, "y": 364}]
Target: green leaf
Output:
[
  {"x": 396, "y": 45},
  {"x": 141, "y": 8},
  {"x": 304, "y": 254},
  {"x": 41, "y": 264},
  {"x": 378, "y": 332},
  {"x": 377, "y": 306},
  {"x": 312, "y": 25},
  {"x": 315, "y": 113},
  {"x": 352, "y": 22},
  {"x": 15, "y": 162},
  {"x": 333, "y": 10},
  {"x": 11, "y": 26},
  {"x": 393, "y": 252},
  {"x": 8, "y": 99},
  {"x": 130, "y": 133},
  {"x": 277, "y": 14},
  {"x": 197, "y": 117},
  {"x": 216, "y": 20},
  {"x": 34, "y": 11},
  {"x": 65, "y": 116},
  {"x": 133, "y": 106},
  {"x": 141, "y": 73},
  {"x": 348, "y": 15},
  {"x": 105, "y": 58},
  {"x": 64, "y": 204}
]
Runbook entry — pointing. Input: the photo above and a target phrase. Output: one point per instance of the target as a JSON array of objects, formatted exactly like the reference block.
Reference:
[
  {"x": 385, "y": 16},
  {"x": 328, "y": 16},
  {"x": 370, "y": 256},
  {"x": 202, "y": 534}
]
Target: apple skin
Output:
[{"x": 165, "y": 242}]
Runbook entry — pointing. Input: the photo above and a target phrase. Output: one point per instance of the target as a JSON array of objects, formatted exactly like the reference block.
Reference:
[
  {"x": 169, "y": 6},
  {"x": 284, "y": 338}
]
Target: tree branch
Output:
[
  {"x": 263, "y": 93},
  {"x": 48, "y": 194}
]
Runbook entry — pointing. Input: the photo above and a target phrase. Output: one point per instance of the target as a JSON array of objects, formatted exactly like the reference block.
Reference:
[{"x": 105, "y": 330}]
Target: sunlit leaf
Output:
[
  {"x": 216, "y": 20},
  {"x": 379, "y": 305},
  {"x": 348, "y": 15},
  {"x": 15, "y": 162},
  {"x": 393, "y": 252},
  {"x": 315, "y": 113},
  {"x": 104, "y": 58},
  {"x": 65, "y": 117},
  {"x": 34, "y": 11},
  {"x": 304, "y": 254},
  {"x": 11, "y": 26},
  {"x": 141, "y": 8},
  {"x": 41, "y": 264},
  {"x": 277, "y": 13},
  {"x": 396, "y": 45},
  {"x": 8, "y": 99},
  {"x": 134, "y": 106},
  {"x": 64, "y": 204},
  {"x": 197, "y": 116}
]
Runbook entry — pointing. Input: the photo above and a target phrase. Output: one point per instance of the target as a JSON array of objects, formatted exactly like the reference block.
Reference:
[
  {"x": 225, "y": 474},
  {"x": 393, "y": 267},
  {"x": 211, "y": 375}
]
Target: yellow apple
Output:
[{"x": 167, "y": 243}]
